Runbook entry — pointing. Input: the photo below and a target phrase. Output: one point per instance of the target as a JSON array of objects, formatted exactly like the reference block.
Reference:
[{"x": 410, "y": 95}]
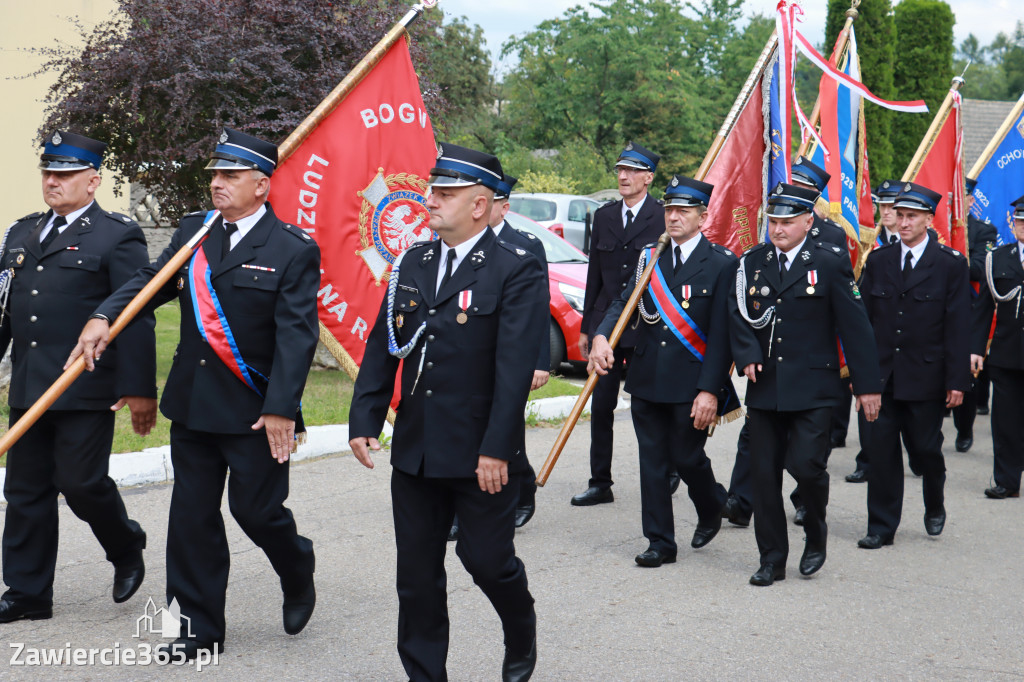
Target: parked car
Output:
[
  {"x": 563, "y": 214},
  {"x": 567, "y": 281}
]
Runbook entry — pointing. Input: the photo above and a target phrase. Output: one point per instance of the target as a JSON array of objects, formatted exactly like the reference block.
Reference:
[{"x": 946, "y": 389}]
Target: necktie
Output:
[
  {"x": 449, "y": 261},
  {"x": 58, "y": 222},
  {"x": 907, "y": 265},
  {"x": 782, "y": 265},
  {"x": 229, "y": 229},
  {"x": 629, "y": 220},
  {"x": 892, "y": 239},
  {"x": 679, "y": 261}
]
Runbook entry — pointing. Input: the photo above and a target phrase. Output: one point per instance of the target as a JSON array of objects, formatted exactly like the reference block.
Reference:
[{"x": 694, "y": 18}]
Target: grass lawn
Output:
[{"x": 325, "y": 401}]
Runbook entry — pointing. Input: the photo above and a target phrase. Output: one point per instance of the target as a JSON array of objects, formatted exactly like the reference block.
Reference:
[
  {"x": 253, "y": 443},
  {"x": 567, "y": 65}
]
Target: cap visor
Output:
[
  {"x": 229, "y": 164},
  {"x": 630, "y": 163}
]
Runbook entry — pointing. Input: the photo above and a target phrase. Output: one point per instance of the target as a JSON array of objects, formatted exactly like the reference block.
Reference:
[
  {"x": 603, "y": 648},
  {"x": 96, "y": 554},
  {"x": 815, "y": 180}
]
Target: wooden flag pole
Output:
[
  {"x": 663, "y": 241},
  {"x": 933, "y": 132},
  {"x": 997, "y": 139}
]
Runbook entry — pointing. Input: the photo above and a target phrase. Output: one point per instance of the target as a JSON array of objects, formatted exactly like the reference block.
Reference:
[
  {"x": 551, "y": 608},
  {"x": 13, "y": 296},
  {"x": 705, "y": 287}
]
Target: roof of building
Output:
[{"x": 980, "y": 119}]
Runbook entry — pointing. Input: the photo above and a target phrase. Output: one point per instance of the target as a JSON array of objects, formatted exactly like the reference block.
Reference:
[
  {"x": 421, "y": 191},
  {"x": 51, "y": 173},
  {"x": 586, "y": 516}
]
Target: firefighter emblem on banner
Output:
[{"x": 392, "y": 218}]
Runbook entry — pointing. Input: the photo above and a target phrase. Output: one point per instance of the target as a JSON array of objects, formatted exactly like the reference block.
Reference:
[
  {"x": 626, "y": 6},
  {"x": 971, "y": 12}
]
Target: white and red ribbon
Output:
[
  {"x": 465, "y": 298},
  {"x": 686, "y": 292},
  {"x": 812, "y": 277}
]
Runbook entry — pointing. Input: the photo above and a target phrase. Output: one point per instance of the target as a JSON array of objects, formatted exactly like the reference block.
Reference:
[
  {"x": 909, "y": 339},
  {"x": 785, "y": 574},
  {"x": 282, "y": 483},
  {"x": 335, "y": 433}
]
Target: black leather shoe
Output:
[
  {"x": 935, "y": 522},
  {"x": 813, "y": 559},
  {"x": 998, "y": 492},
  {"x": 798, "y": 517},
  {"x": 653, "y": 558},
  {"x": 11, "y": 611},
  {"x": 734, "y": 513},
  {"x": 963, "y": 444},
  {"x": 982, "y": 409},
  {"x": 518, "y": 668},
  {"x": 858, "y": 476},
  {"x": 673, "y": 482},
  {"x": 187, "y": 648},
  {"x": 453, "y": 532},
  {"x": 298, "y": 609},
  {"x": 524, "y": 512},
  {"x": 767, "y": 574},
  {"x": 592, "y": 496},
  {"x": 127, "y": 581},
  {"x": 873, "y": 542},
  {"x": 702, "y": 535}
]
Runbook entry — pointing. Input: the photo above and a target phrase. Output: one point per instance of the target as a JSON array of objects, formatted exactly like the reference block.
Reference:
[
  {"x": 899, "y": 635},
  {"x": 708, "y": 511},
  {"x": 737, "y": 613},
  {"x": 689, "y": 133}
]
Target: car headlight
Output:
[{"x": 574, "y": 295}]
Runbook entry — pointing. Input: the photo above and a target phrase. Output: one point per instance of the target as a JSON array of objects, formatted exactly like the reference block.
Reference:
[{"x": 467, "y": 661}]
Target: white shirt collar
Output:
[
  {"x": 686, "y": 248},
  {"x": 247, "y": 223},
  {"x": 635, "y": 209},
  {"x": 791, "y": 254},
  {"x": 917, "y": 251},
  {"x": 889, "y": 235},
  {"x": 70, "y": 217},
  {"x": 497, "y": 228},
  {"x": 461, "y": 251}
]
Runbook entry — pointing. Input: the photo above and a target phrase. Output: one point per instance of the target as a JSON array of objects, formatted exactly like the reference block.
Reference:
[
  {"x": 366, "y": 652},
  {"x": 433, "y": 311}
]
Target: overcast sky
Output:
[{"x": 501, "y": 19}]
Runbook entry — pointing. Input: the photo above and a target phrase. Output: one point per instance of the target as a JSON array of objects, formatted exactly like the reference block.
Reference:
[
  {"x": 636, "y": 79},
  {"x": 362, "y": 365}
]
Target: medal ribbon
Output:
[
  {"x": 210, "y": 320},
  {"x": 812, "y": 277},
  {"x": 681, "y": 324},
  {"x": 465, "y": 298}
]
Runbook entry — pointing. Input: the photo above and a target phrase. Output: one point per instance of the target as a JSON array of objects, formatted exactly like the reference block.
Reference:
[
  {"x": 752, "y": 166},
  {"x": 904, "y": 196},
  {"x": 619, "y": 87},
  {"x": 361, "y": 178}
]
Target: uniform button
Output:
[
  {"x": 778, "y": 300},
  {"x": 430, "y": 337},
  {"x": 903, "y": 295},
  {"x": 662, "y": 343},
  {"x": 778, "y": 340},
  {"x": 625, "y": 247},
  {"x": 33, "y": 344},
  {"x": 432, "y": 311},
  {"x": 79, "y": 262},
  {"x": 665, "y": 327},
  {"x": 255, "y": 278},
  {"x": 897, "y": 349},
  {"x": 34, "y": 292},
  {"x": 430, "y": 394},
  {"x": 39, "y": 268},
  {"x": 624, "y": 266},
  {"x": 899, "y": 314},
  {"x": 899, "y": 331},
  {"x": 430, "y": 365},
  {"x": 202, "y": 363},
  {"x": 33, "y": 318},
  {"x": 623, "y": 285},
  {"x": 780, "y": 359}
]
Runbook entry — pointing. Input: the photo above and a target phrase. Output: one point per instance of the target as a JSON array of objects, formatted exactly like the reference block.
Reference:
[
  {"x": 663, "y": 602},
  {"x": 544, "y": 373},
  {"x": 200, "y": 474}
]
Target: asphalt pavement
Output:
[{"x": 926, "y": 608}]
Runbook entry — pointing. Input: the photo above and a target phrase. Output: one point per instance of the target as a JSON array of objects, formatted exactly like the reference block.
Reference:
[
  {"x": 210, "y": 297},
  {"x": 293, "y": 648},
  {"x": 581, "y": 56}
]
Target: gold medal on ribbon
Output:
[
  {"x": 753, "y": 291},
  {"x": 462, "y": 317},
  {"x": 810, "y": 290},
  {"x": 20, "y": 259}
]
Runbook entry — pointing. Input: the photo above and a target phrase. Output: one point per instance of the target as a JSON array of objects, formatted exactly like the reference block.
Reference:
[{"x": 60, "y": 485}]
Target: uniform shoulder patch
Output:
[
  {"x": 297, "y": 232},
  {"x": 528, "y": 235},
  {"x": 950, "y": 251},
  {"x": 119, "y": 217},
  {"x": 417, "y": 245},
  {"x": 518, "y": 251},
  {"x": 30, "y": 216},
  {"x": 194, "y": 213}
]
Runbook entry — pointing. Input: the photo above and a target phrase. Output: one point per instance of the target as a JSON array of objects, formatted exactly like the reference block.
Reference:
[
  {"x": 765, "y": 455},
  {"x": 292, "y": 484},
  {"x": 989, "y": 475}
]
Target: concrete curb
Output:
[{"x": 153, "y": 465}]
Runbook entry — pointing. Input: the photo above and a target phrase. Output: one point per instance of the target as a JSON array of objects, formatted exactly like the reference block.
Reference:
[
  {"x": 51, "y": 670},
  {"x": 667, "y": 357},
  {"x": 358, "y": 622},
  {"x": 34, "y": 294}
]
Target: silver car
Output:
[{"x": 563, "y": 214}]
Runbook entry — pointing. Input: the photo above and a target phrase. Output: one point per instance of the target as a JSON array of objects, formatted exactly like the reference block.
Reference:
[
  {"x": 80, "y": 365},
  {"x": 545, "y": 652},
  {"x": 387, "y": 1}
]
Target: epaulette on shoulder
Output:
[
  {"x": 948, "y": 250},
  {"x": 517, "y": 250},
  {"x": 652, "y": 245},
  {"x": 725, "y": 251},
  {"x": 118, "y": 217},
  {"x": 831, "y": 248},
  {"x": 30, "y": 216},
  {"x": 194, "y": 215},
  {"x": 659, "y": 202},
  {"x": 419, "y": 244},
  {"x": 528, "y": 235},
  {"x": 297, "y": 232}
]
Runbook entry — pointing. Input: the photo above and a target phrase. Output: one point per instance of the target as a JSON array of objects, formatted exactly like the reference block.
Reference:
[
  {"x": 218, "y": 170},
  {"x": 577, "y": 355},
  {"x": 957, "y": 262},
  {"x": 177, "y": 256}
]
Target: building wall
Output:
[{"x": 31, "y": 25}]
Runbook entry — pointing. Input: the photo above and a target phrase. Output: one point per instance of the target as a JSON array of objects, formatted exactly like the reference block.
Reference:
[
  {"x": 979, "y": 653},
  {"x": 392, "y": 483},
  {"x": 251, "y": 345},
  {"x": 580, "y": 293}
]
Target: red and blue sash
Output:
[
  {"x": 210, "y": 320},
  {"x": 681, "y": 324}
]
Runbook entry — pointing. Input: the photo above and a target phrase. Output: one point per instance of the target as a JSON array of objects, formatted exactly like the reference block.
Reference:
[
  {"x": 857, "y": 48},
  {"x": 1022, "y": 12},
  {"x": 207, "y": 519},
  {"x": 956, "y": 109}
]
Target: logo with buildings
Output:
[
  {"x": 393, "y": 217},
  {"x": 163, "y": 622}
]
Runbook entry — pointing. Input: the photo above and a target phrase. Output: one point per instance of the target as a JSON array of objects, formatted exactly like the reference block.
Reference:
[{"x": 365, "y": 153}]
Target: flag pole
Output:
[
  {"x": 730, "y": 120},
  {"x": 997, "y": 139},
  {"x": 842, "y": 45},
  {"x": 933, "y": 132},
  {"x": 179, "y": 259}
]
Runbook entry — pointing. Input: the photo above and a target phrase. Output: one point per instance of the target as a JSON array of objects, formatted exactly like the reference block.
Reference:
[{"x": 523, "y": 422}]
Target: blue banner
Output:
[
  {"x": 1002, "y": 181},
  {"x": 776, "y": 162}
]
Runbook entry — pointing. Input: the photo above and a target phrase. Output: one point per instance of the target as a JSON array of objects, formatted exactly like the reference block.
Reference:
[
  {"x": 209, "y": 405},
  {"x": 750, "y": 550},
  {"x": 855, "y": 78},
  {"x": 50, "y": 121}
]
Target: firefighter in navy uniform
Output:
[
  {"x": 261, "y": 275},
  {"x": 792, "y": 298},
  {"x": 464, "y": 311},
  {"x": 916, "y": 295},
  {"x": 621, "y": 230},
  {"x": 59, "y": 266},
  {"x": 981, "y": 238},
  {"x": 1001, "y": 286},
  {"x": 680, "y": 369}
]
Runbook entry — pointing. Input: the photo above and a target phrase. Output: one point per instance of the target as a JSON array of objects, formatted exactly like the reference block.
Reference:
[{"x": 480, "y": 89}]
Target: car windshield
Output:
[
  {"x": 534, "y": 209},
  {"x": 556, "y": 249}
]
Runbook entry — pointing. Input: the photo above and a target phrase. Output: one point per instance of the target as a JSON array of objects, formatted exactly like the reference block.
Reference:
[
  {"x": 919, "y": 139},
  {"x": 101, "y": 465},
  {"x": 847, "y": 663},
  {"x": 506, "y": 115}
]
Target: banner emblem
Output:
[{"x": 392, "y": 217}]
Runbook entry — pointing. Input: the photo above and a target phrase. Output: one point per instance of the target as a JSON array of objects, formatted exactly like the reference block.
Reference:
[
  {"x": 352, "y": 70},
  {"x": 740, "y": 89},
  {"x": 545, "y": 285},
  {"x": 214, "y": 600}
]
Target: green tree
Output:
[
  {"x": 876, "y": 34},
  {"x": 924, "y": 69},
  {"x": 460, "y": 67},
  {"x": 1012, "y": 60}
]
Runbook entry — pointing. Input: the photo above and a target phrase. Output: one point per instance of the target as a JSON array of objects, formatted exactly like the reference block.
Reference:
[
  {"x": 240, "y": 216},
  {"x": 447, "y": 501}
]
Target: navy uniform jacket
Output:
[
  {"x": 1007, "y": 349},
  {"x": 663, "y": 370},
  {"x": 53, "y": 294},
  {"x": 476, "y": 376},
  {"x": 827, "y": 232},
  {"x": 613, "y": 256},
  {"x": 272, "y": 314},
  {"x": 981, "y": 238},
  {"x": 802, "y": 370},
  {"x": 920, "y": 325},
  {"x": 533, "y": 245}
]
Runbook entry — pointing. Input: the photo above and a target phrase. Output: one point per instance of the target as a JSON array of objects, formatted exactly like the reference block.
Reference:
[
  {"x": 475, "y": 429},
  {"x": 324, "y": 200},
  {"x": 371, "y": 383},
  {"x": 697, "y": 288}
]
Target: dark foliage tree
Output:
[
  {"x": 924, "y": 69},
  {"x": 159, "y": 80},
  {"x": 876, "y": 37},
  {"x": 460, "y": 67}
]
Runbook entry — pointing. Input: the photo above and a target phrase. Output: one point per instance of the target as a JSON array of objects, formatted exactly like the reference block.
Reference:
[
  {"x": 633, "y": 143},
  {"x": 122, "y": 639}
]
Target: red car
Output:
[{"x": 567, "y": 279}]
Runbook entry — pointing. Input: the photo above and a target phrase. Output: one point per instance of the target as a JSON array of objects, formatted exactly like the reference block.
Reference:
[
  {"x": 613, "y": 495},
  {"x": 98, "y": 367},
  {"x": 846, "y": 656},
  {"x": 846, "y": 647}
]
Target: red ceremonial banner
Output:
[
  {"x": 736, "y": 174},
  {"x": 942, "y": 172},
  {"x": 356, "y": 184}
]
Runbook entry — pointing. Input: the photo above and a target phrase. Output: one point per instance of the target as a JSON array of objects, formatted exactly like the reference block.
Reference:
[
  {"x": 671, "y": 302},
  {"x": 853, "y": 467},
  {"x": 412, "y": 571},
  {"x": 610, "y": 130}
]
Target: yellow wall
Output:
[{"x": 27, "y": 24}]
